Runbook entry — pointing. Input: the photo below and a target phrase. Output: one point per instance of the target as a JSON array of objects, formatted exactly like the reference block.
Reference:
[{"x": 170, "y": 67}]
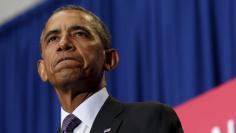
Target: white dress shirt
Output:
[{"x": 87, "y": 111}]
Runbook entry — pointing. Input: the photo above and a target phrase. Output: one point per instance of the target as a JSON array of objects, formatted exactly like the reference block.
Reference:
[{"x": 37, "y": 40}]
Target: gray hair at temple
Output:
[{"x": 99, "y": 26}]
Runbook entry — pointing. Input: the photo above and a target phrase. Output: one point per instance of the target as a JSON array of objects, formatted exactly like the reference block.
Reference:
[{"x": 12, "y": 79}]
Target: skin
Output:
[{"x": 73, "y": 57}]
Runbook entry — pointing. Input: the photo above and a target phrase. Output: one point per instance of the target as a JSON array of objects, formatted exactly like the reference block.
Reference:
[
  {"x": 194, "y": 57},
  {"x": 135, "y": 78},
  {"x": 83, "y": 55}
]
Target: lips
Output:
[{"x": 67, "y": 63}]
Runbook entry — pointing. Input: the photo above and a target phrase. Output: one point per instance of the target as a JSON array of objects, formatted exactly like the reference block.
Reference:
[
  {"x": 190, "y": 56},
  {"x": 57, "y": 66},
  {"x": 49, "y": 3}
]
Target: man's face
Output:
[{"x": 71, "y": 50}]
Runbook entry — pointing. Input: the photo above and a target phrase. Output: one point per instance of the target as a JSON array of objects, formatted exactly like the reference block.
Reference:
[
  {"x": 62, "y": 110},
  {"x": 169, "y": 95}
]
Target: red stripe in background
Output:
[{"x": 214, "y": 108}]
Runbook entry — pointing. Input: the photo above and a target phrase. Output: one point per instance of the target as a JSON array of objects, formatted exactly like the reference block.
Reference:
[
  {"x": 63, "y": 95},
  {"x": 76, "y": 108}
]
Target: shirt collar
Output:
[{"x": 88, "y": 110}]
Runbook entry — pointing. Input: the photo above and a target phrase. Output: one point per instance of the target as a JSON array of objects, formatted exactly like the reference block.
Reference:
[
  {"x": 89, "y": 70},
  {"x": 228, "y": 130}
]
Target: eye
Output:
[
  {"x": 52, "y": 39},
  {"x": 79, "y": 34}
]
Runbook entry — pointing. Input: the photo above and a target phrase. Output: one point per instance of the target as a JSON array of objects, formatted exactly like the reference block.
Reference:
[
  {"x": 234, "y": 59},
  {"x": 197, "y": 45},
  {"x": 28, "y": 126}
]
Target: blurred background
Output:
[{"x": 170, "y": 51}]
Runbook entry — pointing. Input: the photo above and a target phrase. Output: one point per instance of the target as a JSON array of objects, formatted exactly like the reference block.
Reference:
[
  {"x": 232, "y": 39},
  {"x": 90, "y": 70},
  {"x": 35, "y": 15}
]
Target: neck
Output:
[
  {"x": 70, "y": 102},
  {"x": 71, "y": 98}
]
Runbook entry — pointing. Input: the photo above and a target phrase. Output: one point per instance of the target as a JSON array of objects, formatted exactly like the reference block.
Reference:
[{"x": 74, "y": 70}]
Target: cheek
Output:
[
  {"x": 48, "y": 67},
  {"x": 100, "y": 59},
  {"x": 96, "y": 58},
  {"x": 49, "y": 62}
]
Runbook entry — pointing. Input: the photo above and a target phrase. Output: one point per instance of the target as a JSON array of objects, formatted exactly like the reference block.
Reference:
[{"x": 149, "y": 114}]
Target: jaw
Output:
[
  {"x": 71, "y": 97},
  {"x": 77, "y": 82}
]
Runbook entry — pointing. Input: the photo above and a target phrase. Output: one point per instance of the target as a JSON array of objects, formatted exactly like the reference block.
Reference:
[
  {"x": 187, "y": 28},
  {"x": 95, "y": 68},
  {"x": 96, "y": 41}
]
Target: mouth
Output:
[{"x": 68, "y": 63}]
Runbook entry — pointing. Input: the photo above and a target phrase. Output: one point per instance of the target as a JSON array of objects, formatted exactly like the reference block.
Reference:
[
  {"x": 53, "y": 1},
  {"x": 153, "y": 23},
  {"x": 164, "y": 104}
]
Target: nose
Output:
[{"x": 65, "y": 44}]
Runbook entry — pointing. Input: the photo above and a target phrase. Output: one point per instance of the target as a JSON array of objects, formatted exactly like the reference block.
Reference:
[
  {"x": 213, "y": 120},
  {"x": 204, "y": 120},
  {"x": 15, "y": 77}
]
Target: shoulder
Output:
[
  {"x": 149, "y": 111},
  {"x": 153, "y": 116},
  {"x": 144, "y": 108},
  {"x": 150, "y": 107},
  {"x": 146, "y": 117}
]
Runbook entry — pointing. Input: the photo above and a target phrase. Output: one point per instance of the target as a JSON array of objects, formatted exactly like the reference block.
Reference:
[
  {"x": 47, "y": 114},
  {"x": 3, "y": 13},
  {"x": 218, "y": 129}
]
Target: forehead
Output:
[{"x": 68, "y": 18}]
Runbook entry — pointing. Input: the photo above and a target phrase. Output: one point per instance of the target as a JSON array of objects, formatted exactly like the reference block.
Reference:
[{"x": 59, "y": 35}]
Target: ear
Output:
[
  {"x": 42, "y": 70},
  {"x": 111, "y": 59}
]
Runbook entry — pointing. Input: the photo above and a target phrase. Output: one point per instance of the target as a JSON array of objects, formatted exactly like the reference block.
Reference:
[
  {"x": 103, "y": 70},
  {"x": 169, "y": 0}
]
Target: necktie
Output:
[{"x": 69, "y": 123}]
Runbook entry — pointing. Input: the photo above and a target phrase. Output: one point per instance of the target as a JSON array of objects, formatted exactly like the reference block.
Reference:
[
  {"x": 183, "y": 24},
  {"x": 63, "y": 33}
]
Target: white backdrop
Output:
[{"x": 11, "y": 8}]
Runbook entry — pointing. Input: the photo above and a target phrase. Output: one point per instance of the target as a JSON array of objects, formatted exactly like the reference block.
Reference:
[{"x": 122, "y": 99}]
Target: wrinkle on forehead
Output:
[
  {"x": 70, "y": 18},
  {"x": 75, "y": 17}
]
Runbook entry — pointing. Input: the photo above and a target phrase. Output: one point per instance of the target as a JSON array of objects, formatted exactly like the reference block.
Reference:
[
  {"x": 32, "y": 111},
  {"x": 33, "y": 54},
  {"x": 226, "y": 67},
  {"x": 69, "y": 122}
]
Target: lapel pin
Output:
[{"x": 107, "y": 130}]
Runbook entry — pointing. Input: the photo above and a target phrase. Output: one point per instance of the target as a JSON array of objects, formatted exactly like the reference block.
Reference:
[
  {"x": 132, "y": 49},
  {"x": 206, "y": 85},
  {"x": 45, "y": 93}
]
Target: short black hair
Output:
[{"x": 99, "y": 25}]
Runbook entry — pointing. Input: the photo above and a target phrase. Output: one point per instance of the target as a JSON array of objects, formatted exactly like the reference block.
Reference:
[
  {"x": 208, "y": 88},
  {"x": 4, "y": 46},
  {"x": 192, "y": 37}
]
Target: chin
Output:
[
  {"x": 71, "y": 78},
  {"x": 67, "y": 76}
]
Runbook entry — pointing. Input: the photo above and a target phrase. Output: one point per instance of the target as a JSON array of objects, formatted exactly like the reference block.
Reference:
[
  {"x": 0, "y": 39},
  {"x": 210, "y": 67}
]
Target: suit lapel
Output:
[{"x": 108, "y": 120}]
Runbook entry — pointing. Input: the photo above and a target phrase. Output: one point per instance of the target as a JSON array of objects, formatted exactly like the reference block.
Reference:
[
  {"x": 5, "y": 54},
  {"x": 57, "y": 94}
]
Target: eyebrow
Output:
[
  {"x": 72, "y": 28},
  {"x": 78, "y": 27}
]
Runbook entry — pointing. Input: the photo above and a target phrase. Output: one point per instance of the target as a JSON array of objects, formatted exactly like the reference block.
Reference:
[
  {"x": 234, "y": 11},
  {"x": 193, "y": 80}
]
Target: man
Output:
[{"x": 76, "y": 53}]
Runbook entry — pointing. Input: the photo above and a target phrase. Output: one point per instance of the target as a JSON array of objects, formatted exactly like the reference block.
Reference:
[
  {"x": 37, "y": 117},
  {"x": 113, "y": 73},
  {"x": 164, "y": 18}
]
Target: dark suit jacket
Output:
[{"x": 149, "y": 117}]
